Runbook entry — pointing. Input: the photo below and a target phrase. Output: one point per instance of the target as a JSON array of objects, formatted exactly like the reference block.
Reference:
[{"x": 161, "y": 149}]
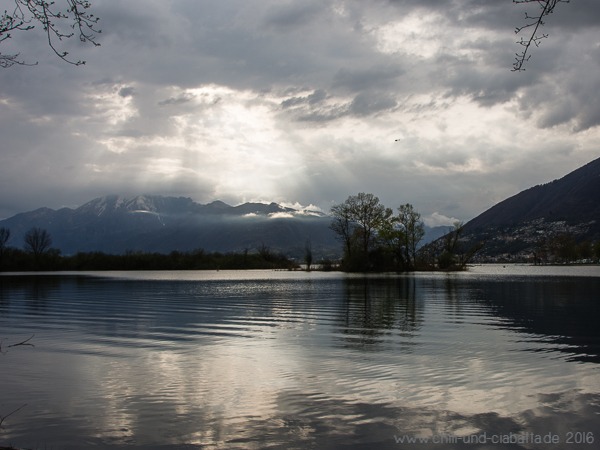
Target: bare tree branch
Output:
[
  {"x": 55, "y": 23},
  {"x": 22, "y": 343},
  {"x": 25, "y": 342},
  {"x": 533, "y": 23},
  {"x": 3, "y": 418}
]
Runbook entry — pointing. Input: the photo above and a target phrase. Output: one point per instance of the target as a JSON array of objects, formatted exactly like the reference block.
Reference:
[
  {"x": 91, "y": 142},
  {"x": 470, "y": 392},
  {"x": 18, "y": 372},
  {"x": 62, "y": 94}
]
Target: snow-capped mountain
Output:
[{"x": 116, "y": 224}]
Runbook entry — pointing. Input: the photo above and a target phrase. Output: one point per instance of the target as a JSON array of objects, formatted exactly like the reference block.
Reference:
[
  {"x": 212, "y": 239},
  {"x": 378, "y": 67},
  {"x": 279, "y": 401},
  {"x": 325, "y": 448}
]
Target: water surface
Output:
[{"x": 255, "y": 359}]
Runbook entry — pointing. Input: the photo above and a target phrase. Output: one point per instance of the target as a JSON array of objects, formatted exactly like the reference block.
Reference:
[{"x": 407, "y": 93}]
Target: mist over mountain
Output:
[
  {"x": 517, "y": 226},
  {"x": 153, "y": 223},
  {"x": 116, "y": 224}
]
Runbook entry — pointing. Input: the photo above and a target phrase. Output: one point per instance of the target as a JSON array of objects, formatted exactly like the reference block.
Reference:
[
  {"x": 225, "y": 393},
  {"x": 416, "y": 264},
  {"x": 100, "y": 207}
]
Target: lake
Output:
[{"x": 496, "y": 357}]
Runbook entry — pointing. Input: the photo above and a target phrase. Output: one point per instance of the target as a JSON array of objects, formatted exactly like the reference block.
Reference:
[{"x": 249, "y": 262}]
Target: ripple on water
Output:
[{"x": 291, "y": 362}]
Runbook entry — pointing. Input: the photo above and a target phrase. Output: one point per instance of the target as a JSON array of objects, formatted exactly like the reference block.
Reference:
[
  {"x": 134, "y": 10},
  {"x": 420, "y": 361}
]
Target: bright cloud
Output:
[{"x": 303, "y": 103}]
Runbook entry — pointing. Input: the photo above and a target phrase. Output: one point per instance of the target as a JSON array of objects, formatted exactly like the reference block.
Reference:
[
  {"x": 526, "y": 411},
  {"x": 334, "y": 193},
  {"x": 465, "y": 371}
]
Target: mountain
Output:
[
  {"x": 115, "y": 224},
  {"x": 519, "y": 225},
  {"x": 152, "y": 223}
]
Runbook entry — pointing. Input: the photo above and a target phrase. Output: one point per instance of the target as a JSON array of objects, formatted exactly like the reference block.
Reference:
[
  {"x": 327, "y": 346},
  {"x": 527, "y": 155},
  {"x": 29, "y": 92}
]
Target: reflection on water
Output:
[
  {"x": 377, "y": 309},
  {"x": 296, "y": 360},
  {"x": 562, "y": 312}
]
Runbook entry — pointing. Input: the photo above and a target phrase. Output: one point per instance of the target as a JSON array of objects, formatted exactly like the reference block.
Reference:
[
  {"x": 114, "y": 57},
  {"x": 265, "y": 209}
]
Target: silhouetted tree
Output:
[
  {"x": 414, "y": 230},
  {"x": 357, "y": 220},
  {"x": 265, "y": 252},
  {"x": 37, "y": 241},
  {"x": 73, "y": 19},
  {"x": 597, "y": 250},
  {"x": 584, "y": 250},
  {"x": 448, "y": 258},
  {"x": 369, "y": 215},
  {"x": 392, "y": 238},
  {"x": 565, "y": 248},
  {"x": 4, "y": 236},
  {"x": 343, "y": 225},
  {"x": 454, "y": 256},
  {"x": 540, "y": 251},
  {"x": 308, "y": 254}
]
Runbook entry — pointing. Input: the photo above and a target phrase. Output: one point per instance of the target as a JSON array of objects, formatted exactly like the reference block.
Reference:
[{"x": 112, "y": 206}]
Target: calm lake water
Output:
[{"x": 497, "y": 357}]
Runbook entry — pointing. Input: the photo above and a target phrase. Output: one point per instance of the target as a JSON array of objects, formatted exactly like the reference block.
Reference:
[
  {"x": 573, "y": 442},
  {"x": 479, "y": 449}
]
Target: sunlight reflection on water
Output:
[{"x": 290, "y": 359}]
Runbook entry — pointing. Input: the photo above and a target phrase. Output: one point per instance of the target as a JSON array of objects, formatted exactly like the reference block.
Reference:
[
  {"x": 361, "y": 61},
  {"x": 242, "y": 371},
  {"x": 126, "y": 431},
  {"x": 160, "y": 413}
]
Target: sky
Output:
[{"x": 302, "y": 102}]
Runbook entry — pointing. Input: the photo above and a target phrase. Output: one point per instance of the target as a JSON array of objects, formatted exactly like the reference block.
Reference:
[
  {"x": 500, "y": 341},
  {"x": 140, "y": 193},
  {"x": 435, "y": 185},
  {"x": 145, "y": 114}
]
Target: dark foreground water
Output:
[{"x": 493, "y": 358}]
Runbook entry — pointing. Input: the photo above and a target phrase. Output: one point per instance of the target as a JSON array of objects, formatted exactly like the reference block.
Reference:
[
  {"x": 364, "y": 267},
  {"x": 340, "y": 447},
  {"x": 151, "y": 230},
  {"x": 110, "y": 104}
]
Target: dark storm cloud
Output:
[
  {"x": 190, "y": 97},
  {"x": 127, "y": 91},
  {"x": 314, "y": 98},
  {"x": 577, "y": 15},
  {"x": 294, "y": 14},
  {"x": 359, "y": 79},
  {"x": 365, "y": 104},
  {"x": 179, "y": 100}
]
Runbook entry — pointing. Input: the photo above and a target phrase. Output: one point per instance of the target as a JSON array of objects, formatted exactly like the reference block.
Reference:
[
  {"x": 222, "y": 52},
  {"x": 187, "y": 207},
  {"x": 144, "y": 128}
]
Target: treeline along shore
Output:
[
  {"x": 16, "y": 260},
  {"x": 373, "y": 238},
  {"x": 38, "y": 255}
]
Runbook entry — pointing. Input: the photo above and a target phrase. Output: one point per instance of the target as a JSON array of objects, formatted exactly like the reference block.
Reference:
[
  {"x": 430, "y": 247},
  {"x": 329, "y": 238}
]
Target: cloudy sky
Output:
[{"x": 302, "y": 102}]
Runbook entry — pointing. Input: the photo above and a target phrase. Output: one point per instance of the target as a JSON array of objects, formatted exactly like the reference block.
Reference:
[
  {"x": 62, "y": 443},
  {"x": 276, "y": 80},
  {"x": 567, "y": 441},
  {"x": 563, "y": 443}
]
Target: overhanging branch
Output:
[
  {"x": 55, "y": 23},
  {"x": 533, "y": 23}
]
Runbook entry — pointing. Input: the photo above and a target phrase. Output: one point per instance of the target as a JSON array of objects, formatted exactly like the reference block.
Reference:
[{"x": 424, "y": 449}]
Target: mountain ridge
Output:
[
  {"x": 568, "y": 198},
  {"x": 156, "y": 223},
  {"x": 515, "y": 227},
  {"x": 519, "y": 226}
]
